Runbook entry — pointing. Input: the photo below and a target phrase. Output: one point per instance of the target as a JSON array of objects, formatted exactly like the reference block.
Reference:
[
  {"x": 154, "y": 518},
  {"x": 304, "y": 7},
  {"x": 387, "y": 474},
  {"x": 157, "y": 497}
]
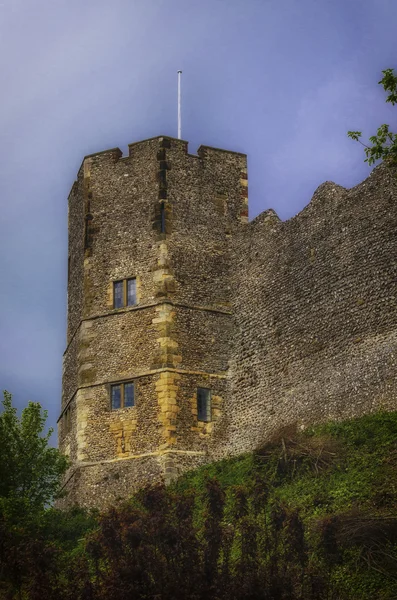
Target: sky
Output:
[{"x": 280, "y": 80}]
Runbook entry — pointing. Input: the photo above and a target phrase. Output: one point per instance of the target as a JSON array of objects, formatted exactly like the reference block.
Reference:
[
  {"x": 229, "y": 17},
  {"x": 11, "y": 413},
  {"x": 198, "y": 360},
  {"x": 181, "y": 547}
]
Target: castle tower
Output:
[{"x": 145, "y": 376}]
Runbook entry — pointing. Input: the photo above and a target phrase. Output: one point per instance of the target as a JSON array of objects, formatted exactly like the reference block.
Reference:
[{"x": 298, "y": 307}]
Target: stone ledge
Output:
[
  {"x": 223, "y": 375},
  {"x": 136, "y": 307}
]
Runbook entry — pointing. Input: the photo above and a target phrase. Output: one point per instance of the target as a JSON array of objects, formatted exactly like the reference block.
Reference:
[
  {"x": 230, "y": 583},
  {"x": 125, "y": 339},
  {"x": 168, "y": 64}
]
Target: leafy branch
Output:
[{"x": 384, "y": 143}]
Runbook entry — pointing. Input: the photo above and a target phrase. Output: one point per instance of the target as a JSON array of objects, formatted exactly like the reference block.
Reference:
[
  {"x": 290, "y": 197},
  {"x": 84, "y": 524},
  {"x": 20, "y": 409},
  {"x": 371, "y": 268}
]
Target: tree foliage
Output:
[
  {"x": 30, "y": 470},
  {"x": 310, "y": 516},
  {"x": 384, "y": 143}
]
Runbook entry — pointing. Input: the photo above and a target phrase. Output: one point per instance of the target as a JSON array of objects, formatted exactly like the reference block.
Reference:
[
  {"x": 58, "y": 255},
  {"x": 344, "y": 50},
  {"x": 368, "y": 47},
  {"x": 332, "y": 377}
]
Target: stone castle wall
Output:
[
  {"x": 286, "y": 322},
  {"x": 174, "y": 339},
  {"x": 315, "y": 314}
]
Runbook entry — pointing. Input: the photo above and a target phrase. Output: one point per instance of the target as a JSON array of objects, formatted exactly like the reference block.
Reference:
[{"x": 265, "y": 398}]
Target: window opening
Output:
[
  {"x": 162, "y": 212},
  {"x": 116, "y": 397},
  {"x": 203, "y": 404},
  {"x": 128, "y": 394},
  {"x": 131, "y": 292},
  {"x": 124, "y": 293},
  {"x": 122, "y": 395},
  {"x": 118, "y": 294},
  {"x": 67, "y": 420}
]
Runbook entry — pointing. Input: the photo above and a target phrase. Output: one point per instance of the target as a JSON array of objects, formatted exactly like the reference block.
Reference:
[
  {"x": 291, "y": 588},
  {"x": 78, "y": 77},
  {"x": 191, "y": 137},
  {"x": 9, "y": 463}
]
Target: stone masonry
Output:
[
  {"x": 315, "y": 335},
  {"x": 165, "y": 218},
  {"x": 284, "y": 323}
]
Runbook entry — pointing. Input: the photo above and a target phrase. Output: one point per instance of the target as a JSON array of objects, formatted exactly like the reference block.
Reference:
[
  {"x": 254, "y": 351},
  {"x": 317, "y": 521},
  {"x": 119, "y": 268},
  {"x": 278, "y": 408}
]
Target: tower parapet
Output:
[
  {"x": 192, "y": 334},
  {"x": 149, "y": 314}
]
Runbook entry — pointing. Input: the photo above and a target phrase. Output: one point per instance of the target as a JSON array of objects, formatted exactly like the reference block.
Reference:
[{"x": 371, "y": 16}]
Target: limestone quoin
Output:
[{"x": 194, "y": 334}]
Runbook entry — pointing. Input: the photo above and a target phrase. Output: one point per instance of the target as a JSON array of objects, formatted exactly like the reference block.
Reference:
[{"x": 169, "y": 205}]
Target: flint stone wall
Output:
[
  {"x": 285, "y": 322},
  {"x": 315, "y": 312},
  {"x": 174, "y": 340}
]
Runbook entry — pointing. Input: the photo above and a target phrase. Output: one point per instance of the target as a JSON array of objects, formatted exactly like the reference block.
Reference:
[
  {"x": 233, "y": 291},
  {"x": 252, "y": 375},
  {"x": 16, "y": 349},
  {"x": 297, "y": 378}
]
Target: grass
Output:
[
  {"x": 326, "y": 469},
  {"x": 339, "y": 472}
]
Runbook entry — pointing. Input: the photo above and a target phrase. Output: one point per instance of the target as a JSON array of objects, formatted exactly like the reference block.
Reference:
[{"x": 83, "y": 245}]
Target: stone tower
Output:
[{"x": 145, "y": 375}]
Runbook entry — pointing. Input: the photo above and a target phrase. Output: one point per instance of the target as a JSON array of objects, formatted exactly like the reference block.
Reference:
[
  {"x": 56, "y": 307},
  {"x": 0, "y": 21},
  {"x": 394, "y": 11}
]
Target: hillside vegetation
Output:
[{"x": 310, "y": 516}]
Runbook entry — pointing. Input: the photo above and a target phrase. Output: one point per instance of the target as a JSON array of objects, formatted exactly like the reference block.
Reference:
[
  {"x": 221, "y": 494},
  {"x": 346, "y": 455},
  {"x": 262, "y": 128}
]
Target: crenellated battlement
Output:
[
  {"x": 159, "y": 221},
  {"x": 170, "y": 142},
  {"x": 315, "y": 313},
  {"x": 193, "y": 333}
]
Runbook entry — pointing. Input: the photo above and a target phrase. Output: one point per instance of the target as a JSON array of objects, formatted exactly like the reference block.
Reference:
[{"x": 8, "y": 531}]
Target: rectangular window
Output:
[
  {"x": 203, "y": 404},
  {"x": 124, "y": 293},
  {"x": 129, "y": 394},
  {"x": 122, "y": 395},
  {"x": 67, "y": 420},
  {"x": 118, "y": 299},
  {"x": 131, "y": 292},
  {"x": 116, "y": 397},
  {"x": 162, "y": 215}
]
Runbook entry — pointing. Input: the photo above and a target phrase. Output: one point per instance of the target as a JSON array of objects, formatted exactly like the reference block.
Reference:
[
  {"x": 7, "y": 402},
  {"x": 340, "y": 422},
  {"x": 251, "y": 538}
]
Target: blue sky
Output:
[{"x": 281, "y": 80}]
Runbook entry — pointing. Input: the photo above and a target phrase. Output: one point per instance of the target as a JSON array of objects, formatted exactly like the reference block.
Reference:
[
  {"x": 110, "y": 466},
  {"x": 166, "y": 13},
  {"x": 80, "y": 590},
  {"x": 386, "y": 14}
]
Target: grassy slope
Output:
[
  {"x": 326, "y": 469},
  {"x": 345, "y": 471},
  {"x": 341, "y": 477}
]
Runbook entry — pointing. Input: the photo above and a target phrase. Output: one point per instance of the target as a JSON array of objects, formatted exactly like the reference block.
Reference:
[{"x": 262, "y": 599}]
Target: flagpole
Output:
[{"x": 179, "y": 107}]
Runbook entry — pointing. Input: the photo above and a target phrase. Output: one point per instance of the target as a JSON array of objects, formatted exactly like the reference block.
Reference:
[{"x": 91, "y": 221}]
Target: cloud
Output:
[{"x": 280, "y": 81}]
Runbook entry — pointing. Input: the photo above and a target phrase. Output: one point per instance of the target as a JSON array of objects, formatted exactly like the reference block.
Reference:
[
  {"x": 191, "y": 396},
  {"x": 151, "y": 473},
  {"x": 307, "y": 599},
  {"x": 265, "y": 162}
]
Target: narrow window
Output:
[
  {"x": 116, "y": 397},
  {"x": 129, "y": 394},
  {"x": 118, "y": 294},
  {"x": 124, "y": 293},
  {"x": 162, "y": 214},
  {"x": 122, "y": 395},
  {"x": 67, "y": 420},
  {"x": 203, "y": 404},
  {"x": 131, "y": 292}
]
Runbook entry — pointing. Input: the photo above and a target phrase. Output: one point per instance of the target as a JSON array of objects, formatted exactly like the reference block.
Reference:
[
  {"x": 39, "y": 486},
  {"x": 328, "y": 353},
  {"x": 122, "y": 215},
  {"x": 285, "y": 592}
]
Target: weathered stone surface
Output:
[
  {"x": 285, "y": 322},
  {"x": 315, "y": 314},
  {"x": 164, "y": 217}
]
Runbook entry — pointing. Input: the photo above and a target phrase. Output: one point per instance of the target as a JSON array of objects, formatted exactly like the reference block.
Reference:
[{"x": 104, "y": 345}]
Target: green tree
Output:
[
  {"x": 30, "y": 470},
  {"x": 384, "y": 143}
]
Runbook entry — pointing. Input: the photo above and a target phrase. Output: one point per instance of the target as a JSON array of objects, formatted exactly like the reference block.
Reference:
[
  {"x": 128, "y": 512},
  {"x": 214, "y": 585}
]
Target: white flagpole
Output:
[{"x": 179, "y": 106}]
